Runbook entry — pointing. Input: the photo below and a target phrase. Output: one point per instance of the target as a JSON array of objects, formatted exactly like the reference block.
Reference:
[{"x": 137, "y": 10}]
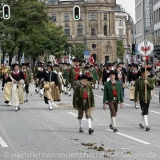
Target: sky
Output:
[{"x": 129, "y": 6}]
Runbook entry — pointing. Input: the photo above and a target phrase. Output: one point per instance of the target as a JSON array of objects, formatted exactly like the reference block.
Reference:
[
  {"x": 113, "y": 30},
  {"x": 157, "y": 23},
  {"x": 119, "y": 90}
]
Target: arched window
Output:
[
  {"x": 79, "y": 30},
  {"x": 67, "y": 30},
  {"x": 105, "y": 30}
]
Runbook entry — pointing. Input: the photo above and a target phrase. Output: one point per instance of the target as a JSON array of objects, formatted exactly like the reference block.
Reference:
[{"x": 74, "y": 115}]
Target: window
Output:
[
  {"x": 80, "y": 17},
  {"x": 105, "y": 16},
  {"x": 93, "y": 16},
  {"x": 105, "y": 30},
  {"x": 93, "y": 31},
  {"x": 54, "y": 18},
  {"x": 67, "y": 30},
  {"x": 79, "y": 30},
  {"x": 120, "y": 32},
  {"x": 66, "y": 17},
  {"x": 120, "y": 22}
]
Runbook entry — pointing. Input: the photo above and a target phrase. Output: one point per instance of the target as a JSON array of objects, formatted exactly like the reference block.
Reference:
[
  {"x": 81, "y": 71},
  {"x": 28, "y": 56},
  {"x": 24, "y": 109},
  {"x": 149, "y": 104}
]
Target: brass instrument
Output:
[{"x": 5, "y": 70}]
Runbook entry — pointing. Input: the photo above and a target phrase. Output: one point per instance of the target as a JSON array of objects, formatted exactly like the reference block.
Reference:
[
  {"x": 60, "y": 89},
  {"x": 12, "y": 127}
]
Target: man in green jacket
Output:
[
  {"x": 140, "y": 95},
  {"x": 112, "y": 94},
  {"x": 83, "y": 100}
]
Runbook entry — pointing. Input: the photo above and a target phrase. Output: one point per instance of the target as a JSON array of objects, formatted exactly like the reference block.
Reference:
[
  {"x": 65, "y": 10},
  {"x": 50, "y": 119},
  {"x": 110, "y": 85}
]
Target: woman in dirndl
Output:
[
  {"x": 17, "y": 87},
  {"x": 51, "y": 89}
]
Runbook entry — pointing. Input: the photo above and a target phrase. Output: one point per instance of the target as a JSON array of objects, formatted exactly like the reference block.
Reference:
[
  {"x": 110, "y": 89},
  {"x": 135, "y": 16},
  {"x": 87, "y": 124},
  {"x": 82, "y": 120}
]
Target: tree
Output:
[
  {"x": 77, "y": 50},
  {"x": 30, "y": 31},
  {"x": 120, "y": 48}
]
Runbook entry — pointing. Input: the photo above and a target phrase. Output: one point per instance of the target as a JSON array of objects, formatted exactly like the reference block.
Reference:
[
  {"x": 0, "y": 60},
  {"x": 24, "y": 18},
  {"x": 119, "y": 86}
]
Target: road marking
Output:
[
  {"x": 2, "y": 143},
  {"x": 156, "y": 96},
  {"x": 98, "y": 96},
  {"x": 130, "y": 137},
  {"x": 75, "y": 115},
  {"x": 155, "y": 112}
]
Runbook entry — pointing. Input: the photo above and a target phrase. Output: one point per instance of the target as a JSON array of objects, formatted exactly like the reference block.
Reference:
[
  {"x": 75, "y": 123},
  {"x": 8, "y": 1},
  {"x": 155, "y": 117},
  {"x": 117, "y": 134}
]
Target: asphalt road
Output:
[{"x": 35, "y": 132}]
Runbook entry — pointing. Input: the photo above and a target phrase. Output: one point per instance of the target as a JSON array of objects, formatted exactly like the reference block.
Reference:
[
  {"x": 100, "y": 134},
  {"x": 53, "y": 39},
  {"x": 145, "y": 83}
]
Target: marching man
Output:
[
  {"x": 113, "y": 94},
  {"x": 83, "y": 100},
  {"x": 140, "y": 90}
]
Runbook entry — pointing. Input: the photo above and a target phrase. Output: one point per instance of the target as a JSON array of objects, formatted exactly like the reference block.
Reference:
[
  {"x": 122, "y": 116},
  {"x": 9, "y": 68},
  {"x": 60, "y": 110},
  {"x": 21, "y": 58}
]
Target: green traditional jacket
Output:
[
  {"x": 72, "y": 75},
  {"x": 28, "y": 76},
  {"x": 140, "y": 89},
  {"x": 94, "y": 75},
  {"x": 78, "y": 97},
  {"x": 65, "y": 73},
  {"x": 108, "y": 92}
]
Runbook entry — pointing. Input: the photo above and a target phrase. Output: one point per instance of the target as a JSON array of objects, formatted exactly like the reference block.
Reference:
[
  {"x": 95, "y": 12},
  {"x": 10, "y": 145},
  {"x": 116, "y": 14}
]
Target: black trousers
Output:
[
  {"x": 144, "y": 106},
  {"x": 27, "y": 88}
]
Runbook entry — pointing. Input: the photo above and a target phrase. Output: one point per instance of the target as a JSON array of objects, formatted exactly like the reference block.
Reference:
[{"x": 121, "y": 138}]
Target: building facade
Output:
[
  {"x": 148, "y": 23},
  {"x": 124, "y": 32},
  {"x": 156, "y": 19},
  {"x": 95, "y": 29}
]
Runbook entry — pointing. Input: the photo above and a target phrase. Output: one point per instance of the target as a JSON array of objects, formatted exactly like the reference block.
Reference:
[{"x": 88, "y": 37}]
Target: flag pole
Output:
[{"x": 144, "y": 58}]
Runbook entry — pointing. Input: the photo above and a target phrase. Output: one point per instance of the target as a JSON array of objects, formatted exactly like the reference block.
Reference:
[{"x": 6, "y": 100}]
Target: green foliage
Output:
[
  {"x": 77, "y": 49},
  {"x": 30, "y": 31},
  {"x": 120, "y": 48}
]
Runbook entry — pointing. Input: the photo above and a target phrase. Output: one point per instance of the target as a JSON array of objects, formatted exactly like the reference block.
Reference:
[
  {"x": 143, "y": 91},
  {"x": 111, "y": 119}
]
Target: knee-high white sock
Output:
[
  {"x": 142, "y": 119},
  {"x": 41, "y": 91},
  {"x": 69, "y": 92},
  {"x": 114, "y": 122},
  {"x": 26, "y": 96},
  {"x": 80, "y": 123},
  {"x": 62, "y": 87},
  {"x": 89, "y": 123},
  {"x": 146, "y": 120},
  {"x": 96, "y": 85},
  {"x": 50, "y": 104},
  {"x": 65, "y": 89}
]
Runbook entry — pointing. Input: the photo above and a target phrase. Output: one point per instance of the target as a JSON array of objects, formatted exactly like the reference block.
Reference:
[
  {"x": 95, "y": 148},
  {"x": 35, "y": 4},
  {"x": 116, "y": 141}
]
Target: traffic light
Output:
[
  {"x": 6, "y": 12},
  {"x": 133, "y": 49},
  {"x": 76, "y": 12}
]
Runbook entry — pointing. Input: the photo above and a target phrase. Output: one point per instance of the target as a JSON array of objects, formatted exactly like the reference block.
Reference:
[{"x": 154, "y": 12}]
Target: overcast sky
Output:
[{"x": 129, "y": 6}]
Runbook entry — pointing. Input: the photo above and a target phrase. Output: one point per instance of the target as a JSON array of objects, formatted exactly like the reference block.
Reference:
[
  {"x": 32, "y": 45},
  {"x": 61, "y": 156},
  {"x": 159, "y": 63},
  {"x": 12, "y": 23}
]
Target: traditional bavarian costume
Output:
[
  {"x": 83, "y": 100},
  {"x": 17, "y": 95},
  {"x": 51, "y": 92},
  {"x": 27, "y": 80},
  {"x": 132, "y": 77},
  {"x": 140, "y": 90}
]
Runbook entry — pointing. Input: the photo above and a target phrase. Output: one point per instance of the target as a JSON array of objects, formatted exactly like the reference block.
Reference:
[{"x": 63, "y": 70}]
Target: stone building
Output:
[
  {"x": 123, "y": 29},
  {"x": 95, "y": 28}
]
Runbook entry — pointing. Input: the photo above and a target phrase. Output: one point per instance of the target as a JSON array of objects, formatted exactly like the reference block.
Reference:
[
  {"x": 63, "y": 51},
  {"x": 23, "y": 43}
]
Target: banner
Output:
[{"x": 86, "y": 55}]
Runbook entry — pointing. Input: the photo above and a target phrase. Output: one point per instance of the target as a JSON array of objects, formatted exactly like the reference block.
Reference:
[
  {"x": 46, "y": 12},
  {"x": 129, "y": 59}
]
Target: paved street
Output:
[{"x": 35, "y": 132}]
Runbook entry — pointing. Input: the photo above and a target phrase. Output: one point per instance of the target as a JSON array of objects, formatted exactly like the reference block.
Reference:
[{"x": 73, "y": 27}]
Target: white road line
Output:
[
  {"x": 127, "y": 104},
  {"x": 75, "y": 115},
  {"x": 130, "y": 137},
  {"x": 2, "y": 143},
  {"x": 155, "y": 112},
  {"x": 98, "y": 96},
  {"x": 156, "y": 96}
]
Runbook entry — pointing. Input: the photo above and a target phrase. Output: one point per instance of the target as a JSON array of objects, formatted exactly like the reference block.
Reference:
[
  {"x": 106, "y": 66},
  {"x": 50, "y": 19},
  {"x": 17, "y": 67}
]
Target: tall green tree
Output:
[
  {"x": 120, "y": 48},
  {"x": 30, "y": 31}
]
